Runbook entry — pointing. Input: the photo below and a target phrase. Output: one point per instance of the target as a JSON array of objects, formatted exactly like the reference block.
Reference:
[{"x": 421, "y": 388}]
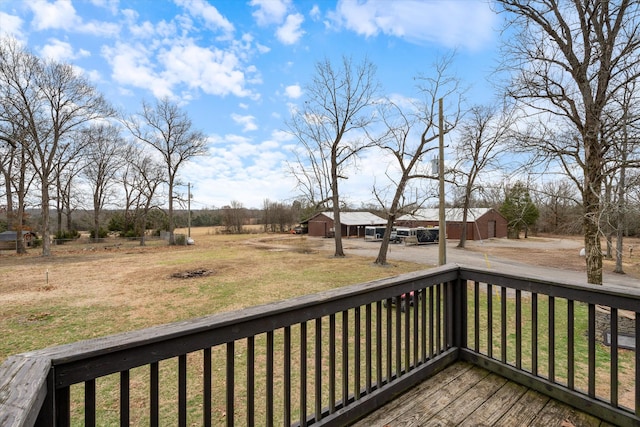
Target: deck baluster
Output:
[
  {"x": 303, "y": 373},
  {"x": 518, "y": 298},
  {"x": 269, "y": 410},
  {"x": 206, "y": 387},
  {"x": 124, "y": 397},
  {"x": 591, "y": 332},
  {"x": 251, "y": 342},
  {"x": 571, "y": 331},
  {"x": 90, "y": 403},
  {"x": 614, "y": 356},
  {"x": 503, "y": 326},
  {"x": 551, "y": 332},
  {"x": 182, "y": 392},
  {"x": 230, "y": 399},
  {"x": 318, "y": 369},
  {"x": 489, "y": 320},
  {"x": 534, "y": 333},
  {"x": 154, "y": 394}
]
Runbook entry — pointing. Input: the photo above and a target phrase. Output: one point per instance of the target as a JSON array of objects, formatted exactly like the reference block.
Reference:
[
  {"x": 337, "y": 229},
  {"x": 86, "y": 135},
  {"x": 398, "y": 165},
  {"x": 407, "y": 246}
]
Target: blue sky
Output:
[{"x": 238, "y": 67}]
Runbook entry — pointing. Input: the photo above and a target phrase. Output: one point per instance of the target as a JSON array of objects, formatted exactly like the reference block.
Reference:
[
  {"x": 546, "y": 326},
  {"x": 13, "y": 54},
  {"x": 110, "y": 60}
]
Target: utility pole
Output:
[
  {"x": 189, "y": 210},
  {"x": 442, "y": 232}
]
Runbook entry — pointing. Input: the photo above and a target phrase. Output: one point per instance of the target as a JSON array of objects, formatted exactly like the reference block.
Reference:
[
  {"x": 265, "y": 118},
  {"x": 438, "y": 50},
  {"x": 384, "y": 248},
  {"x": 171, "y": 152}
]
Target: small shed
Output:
[
  {"x": 352, "y": 223},
  {"x": 482, "y": 223},
  {"x": 8, "y": 239}
]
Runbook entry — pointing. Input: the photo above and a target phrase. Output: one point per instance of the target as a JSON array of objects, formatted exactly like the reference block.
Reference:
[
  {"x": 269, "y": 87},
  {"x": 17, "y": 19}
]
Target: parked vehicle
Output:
[
  {"x": 299, "y": 230},
  {"x": 428, "y": 235},
  {"x": 405, "y": 299},
  {"x": 376, "y": 233}
]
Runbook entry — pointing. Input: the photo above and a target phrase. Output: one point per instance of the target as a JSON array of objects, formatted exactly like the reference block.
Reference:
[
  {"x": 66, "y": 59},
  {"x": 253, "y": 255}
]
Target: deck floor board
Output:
[{"x": 466, "y": 395}]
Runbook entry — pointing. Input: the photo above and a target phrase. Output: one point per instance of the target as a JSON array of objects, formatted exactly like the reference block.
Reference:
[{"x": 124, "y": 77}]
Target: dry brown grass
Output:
[{"x": 84, "y": 291}]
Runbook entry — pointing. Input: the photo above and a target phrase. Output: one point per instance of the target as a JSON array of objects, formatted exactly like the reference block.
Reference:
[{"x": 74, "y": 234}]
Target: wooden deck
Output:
[{"x": 465, "y": 395}]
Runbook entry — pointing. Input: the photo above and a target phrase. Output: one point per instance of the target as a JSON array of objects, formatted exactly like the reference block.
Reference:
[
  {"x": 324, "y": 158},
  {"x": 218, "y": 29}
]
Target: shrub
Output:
[
  {"x": 102, "y": 233},
  {"x": 68, "y": 234}
]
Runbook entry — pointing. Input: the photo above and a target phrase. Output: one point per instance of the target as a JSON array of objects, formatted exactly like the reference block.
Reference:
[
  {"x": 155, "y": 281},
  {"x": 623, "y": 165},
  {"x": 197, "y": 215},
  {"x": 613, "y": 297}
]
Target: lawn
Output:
[{"x": 89, "y": 290}]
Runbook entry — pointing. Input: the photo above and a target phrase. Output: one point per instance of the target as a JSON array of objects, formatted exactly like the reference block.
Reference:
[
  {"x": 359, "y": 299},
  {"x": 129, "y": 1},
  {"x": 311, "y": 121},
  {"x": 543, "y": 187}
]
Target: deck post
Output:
[{"x": 459, "y": 327}]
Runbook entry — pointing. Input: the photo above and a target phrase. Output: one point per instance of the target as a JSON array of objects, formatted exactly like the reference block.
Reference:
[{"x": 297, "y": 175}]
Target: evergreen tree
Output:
[{"x": 519, "y": 210}]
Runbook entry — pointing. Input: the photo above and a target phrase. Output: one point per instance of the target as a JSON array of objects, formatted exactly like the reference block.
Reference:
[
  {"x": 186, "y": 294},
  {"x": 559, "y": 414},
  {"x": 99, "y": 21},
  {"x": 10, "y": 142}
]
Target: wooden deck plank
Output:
[
  {"x": 467, "y": 395},
  {"x": 460, "y": 408},
  {"x": 403, "y": 409},
  {"x": 406, "y": 401},
  {"x": 495, "y": 406},
  {"x": 426, "y": 409},
  {"x": 555, "y": 413}
]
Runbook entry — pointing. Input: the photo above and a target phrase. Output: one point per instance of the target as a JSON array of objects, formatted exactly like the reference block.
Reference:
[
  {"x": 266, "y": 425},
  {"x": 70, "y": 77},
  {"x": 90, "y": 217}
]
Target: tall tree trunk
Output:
[
  {"x": 46, "y": 240},
  {"x": 172, "y": 237},
  {"x": 620, "y": 220},
  {"x": 59, "y": 204},
  {"x": 96, "y": 217},
  {"x": 21, "y": 248},
  {"x": 337, "y": 226},
  {"x": 591, "y": 198}
]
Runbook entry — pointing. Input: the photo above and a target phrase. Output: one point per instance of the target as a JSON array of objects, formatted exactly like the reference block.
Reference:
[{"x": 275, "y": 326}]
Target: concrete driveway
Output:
[{"x": 428, "y": 255}]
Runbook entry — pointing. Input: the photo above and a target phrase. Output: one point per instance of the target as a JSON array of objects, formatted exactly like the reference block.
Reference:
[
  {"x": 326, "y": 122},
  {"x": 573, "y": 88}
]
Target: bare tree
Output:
[
  {"x": 68, "y": 198},
  {"x": 559, "y": 203},
  {"x": 18, "y": 176},
  {"x": 66, "y": 169},
  {"x": 169, "y": 130},
  {"x": 49, "y": 101},
  {"x": 622, "y": 129},
  {"x": 141, "y": 177},
  {"x": 234, "y": 217},
  {"x": 577, "y": 56},
  {"x": 331, "y": 128},
  {"x": 408, "y": 139},
  {"x": 104, "y": 157},
  {"x": 481, "y": 134}
]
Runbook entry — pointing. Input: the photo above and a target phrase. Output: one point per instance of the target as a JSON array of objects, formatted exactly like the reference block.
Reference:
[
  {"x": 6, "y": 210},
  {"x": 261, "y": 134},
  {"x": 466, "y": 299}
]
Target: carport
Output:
[{"x": 352, "y": 223}]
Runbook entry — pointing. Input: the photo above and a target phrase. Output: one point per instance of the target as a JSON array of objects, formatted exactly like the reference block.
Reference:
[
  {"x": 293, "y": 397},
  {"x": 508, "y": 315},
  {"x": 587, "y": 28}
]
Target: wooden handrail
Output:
[{"x": 330, "y": 357}]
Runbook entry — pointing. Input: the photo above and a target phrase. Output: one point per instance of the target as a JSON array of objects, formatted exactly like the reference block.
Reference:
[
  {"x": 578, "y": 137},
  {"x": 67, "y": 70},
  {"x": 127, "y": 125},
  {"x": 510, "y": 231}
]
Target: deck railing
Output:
[{"x": 330, "y": 358}]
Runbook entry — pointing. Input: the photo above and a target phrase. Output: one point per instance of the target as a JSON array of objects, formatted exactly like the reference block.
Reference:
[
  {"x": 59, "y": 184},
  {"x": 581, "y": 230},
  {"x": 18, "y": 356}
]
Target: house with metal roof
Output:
[
  {"x": 8, "y": 239},
  {"x": 482, "y": 223},
  {"x": 352, "y": 223}
]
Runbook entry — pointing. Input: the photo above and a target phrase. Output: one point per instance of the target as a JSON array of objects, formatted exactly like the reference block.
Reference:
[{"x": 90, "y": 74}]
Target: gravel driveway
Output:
[{"x": 474, "y": 256}]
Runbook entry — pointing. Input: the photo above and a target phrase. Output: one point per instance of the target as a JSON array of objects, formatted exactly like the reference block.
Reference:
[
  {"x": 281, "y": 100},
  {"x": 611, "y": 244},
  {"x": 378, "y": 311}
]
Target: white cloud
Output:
[
  {"x": 293, "y": 91},
  {"x": 61, "y": 51},
  {"x": 275, "y": 12},
  {"x": 281, "y": 135},
  {"x": 214, "y": 71},
  {"x": 99, "y": 28},
  {"x": 209, "y": 13},
  {"x": 314, "y": 13},
  {"x": 131, "y": 67},
  {"x": 111, "y": 5},
  {"x": 290, "y": 32},
  {"x": 61, "y": 15},
  {"x": 451, "y": 23},
  {"x": 10, "y": 24},
  {"x": 270, "y": 11},
  {"x": 249, "y": 122}
]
